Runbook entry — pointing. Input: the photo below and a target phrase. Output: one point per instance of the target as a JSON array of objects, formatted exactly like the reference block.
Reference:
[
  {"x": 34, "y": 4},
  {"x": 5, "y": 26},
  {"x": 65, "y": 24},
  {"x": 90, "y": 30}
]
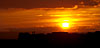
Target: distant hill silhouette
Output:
[
  {"x": 57, "y": 39},
  {"x": 63, "y": 38}
]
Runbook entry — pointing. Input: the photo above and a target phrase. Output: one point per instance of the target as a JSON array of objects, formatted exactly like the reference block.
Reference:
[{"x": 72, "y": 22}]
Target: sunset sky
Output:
[
  {"x": 43, "y": 3},
  {"x": 49, "y": 15}
]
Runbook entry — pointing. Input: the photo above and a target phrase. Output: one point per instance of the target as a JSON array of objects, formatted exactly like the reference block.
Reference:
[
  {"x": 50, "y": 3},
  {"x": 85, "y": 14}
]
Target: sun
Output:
[{"x": 64, "y": 25}]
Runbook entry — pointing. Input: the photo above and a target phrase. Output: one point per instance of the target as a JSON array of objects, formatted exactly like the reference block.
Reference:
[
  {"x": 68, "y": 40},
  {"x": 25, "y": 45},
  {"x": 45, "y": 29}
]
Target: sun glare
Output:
[{"x": 64, "y": 25}]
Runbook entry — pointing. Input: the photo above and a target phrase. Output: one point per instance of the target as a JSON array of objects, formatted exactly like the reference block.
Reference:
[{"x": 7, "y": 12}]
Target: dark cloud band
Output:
[{"x": 42, "y": 3}]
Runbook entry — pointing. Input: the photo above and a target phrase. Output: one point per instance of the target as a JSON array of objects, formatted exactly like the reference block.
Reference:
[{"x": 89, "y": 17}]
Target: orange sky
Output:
[
  {"x": 48, "y": 14},
  {"x": 87, "y": 18}
]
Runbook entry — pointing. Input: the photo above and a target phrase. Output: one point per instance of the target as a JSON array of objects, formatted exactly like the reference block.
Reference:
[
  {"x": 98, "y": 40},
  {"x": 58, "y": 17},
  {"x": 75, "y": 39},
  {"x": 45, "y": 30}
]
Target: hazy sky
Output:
[
  {"x": 23, "y": 15},
  {"x": 42, "y": 3},
  {"x": 17, "y": 15},
  {"x": 30, "y": 18}
]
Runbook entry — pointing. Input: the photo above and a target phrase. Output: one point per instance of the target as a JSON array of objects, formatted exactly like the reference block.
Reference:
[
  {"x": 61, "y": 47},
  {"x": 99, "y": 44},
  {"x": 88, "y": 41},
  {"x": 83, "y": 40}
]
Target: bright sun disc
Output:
[{"x": 64, "y": 25}]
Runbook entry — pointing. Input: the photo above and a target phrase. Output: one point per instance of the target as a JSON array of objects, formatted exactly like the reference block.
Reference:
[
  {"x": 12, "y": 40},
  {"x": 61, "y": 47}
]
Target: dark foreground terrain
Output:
[{"x": 59, "y": 39}]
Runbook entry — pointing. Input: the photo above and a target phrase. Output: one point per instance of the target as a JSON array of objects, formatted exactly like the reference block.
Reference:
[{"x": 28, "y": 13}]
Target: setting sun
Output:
[{"x": 64, "y": 25}]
